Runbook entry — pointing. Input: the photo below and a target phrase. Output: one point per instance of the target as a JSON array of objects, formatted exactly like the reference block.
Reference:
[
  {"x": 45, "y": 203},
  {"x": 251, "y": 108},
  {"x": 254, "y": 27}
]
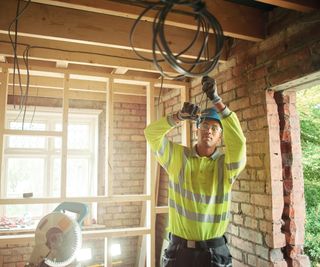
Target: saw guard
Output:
[{"x": 57, "y": 239}]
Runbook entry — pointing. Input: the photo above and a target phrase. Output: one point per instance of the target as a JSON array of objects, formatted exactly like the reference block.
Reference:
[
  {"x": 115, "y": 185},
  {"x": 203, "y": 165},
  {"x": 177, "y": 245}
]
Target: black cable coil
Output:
[{"x": 209, "y": 45}]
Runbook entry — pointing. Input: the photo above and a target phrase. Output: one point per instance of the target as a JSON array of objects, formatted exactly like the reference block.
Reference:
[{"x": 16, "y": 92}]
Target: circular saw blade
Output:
[{"x": 61, "y": 236}]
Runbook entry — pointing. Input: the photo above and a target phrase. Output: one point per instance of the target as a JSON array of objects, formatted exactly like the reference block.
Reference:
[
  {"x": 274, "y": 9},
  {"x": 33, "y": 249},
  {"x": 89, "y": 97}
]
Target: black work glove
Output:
[
  {"x": 189, "y": 111},
  {"x": 210, "y": 88}
]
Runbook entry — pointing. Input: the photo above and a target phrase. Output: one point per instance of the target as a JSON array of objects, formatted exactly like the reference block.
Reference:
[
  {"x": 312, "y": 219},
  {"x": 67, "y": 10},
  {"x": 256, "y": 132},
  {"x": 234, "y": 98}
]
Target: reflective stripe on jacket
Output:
[{"x": 199, "y": 187}]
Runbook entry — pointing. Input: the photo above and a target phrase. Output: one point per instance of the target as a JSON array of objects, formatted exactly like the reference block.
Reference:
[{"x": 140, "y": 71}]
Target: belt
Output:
[{"x": 210, "y": 243}]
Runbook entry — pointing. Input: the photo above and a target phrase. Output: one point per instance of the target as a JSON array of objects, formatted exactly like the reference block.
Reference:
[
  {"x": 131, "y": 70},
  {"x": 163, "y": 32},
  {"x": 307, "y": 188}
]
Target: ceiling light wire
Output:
[
  {"x": 204, "y": 61},
  {"x": 14, "y": 46}
]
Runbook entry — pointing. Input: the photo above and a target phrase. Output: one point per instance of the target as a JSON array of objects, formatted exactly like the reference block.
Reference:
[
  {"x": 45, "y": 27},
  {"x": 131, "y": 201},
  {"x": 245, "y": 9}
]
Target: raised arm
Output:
[
  {"x": 234, "y": 139},
  {"x": 155, "y": 134}
]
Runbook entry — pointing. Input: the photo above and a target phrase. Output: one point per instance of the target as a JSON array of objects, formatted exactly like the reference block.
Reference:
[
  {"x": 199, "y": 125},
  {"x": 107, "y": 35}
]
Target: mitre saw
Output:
[{"x": 58, "y": 236}]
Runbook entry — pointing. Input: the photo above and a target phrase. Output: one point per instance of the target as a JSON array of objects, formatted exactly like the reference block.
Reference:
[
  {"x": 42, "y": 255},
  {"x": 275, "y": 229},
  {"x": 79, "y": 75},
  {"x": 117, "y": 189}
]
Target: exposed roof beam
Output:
[
  {"x": 126, "y": 96},
  {"x": 72, "y": 47},
  {"x": 87, "y": 54},
  {"x": 298, "y": 5},
  {"x": 124, "y": 79},
  {"x": 56, "y": 83},
  {"x": 237, "y": 21},
  {"x": 56, "y": 23},
  {"x": 84, "y": 59}
]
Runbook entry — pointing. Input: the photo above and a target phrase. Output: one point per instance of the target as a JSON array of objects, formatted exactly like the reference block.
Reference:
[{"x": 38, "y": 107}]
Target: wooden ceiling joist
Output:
[
  {"x": 119, "y": 96},
  {"x": 82, "y": 57},
  {"x": 38, "y": 82},
  {"x": 297, "y": 5},
  {"x": 237, "y": 21},
  {"x": 69, "y": 25},
  {"x": 124, "y": 79}
]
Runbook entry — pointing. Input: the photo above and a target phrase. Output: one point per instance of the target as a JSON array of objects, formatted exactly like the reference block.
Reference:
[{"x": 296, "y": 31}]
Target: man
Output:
[{"x": 200, "y": 181}]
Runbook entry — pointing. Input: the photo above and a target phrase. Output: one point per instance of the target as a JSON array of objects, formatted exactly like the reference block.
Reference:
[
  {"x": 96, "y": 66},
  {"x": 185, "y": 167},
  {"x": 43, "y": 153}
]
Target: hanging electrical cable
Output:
[
  {"x": 16, "y": 66},
  {"x": 207, "y": 40}
]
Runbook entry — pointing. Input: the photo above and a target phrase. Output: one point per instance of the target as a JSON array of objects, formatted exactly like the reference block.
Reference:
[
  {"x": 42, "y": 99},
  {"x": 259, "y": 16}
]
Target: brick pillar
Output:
[{"x": 293, "y": 187}]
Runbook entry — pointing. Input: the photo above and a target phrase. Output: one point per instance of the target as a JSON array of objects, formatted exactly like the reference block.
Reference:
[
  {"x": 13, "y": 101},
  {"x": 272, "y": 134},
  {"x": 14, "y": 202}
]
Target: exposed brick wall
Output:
[
  {"x": 266, "y": 227},
  {"x": 294, "y": 205},
  {"x": 129, "y": 148},
  {"x": 128, "y": 168},
  {"x": 14, "y": 255}
]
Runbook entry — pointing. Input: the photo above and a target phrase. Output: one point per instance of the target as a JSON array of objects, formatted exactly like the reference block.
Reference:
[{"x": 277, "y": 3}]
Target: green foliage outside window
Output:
[{"x": 308, "y": 103}]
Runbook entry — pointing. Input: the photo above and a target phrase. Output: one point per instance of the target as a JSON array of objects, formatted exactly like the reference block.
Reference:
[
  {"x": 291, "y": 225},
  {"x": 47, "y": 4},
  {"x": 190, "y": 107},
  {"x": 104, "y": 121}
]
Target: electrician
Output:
[{"x": 200, "y": 181}]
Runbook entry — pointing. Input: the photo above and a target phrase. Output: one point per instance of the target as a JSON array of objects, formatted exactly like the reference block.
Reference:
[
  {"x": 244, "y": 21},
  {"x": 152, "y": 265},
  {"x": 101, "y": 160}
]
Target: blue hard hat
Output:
[{"x": 208, "y": 114}]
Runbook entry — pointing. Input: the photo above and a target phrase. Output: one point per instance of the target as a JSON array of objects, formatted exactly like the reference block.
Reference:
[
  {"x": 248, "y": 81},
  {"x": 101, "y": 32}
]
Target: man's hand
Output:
[
  {"x": 189, "y": 111},
  {"x": 210, "y": 88}
]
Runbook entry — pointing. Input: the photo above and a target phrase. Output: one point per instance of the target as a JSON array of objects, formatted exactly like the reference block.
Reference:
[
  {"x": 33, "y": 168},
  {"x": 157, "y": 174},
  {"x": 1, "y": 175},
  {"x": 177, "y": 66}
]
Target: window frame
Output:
[{"x": 51, "y": 117}]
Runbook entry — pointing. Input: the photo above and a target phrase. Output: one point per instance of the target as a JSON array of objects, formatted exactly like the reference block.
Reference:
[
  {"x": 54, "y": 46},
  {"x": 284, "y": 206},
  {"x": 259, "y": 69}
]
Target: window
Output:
[{"x": 32, "y": 164}]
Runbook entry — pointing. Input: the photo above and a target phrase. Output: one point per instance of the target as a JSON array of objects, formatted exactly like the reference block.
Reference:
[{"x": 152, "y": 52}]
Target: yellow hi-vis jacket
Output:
[{"x": 199, "y": 187}]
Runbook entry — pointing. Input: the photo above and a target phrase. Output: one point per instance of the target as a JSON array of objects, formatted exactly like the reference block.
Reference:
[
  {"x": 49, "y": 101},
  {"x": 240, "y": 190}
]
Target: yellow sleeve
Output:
[
  {"x": 235, "y": 146},
  {"x": 164, "y": 149}
]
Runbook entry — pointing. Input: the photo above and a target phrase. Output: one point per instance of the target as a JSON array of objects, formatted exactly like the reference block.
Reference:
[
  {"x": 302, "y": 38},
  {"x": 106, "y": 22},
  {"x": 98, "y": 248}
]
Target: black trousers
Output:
[{"x": 180, "y": 254}]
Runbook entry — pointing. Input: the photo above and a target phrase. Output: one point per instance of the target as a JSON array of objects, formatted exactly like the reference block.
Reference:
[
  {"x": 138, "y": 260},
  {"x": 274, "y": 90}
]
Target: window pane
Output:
[
  {"x": 78, "y": 136},
  {"x": 27, "y": 126},
  {"x": 56, "y": 175},
  {"x": 25, "y": 213},
  {"x": 26, "y": 142},
  {"x": 78, "y": 177},
  {"x": 25, "y": 175}
]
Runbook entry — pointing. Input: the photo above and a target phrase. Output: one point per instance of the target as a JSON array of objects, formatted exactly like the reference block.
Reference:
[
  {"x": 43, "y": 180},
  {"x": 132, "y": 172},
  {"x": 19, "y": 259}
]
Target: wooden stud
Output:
[
  {"x": 109, "y": 139},
  {"x": 142, "y": 240},
  {"x": 141, "y": 259},
  {"x": 107, "y": 254},
  {"x": 64, "y": 141},
  {"x": 4, "y": 77},
  {"x": 150, "y": 183},
  {"x": 185, "y": 127}
]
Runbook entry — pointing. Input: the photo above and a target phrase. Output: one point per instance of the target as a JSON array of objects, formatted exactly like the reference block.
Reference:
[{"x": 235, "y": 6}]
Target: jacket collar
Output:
[{"x": 214, "y": 155}]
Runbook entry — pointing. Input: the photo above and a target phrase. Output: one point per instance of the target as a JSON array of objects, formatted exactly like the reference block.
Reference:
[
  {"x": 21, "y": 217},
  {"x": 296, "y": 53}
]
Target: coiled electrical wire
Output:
[{"x": 204, "y": 61}]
